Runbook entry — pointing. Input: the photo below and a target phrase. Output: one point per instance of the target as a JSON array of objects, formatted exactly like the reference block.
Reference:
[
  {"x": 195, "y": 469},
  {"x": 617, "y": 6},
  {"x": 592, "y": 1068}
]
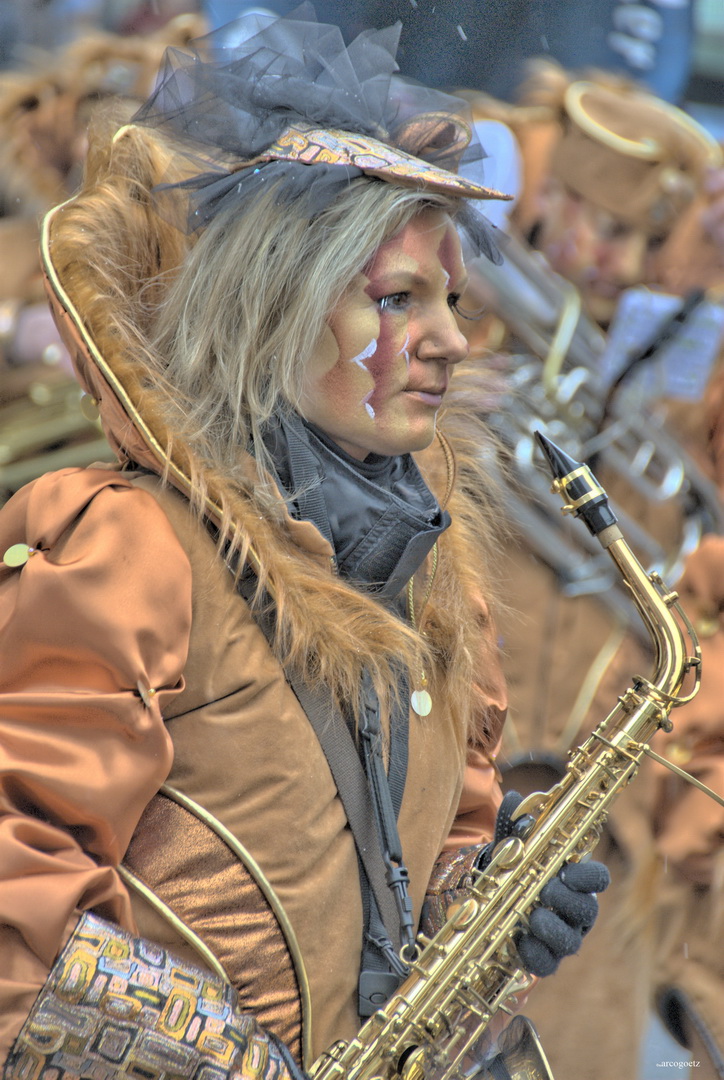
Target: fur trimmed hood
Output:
[{"x": 326, "y": 628}]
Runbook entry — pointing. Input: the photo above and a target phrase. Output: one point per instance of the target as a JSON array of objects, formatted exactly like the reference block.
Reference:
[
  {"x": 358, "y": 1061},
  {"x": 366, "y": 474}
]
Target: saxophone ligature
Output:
[{"x": 436, "y": 1026}]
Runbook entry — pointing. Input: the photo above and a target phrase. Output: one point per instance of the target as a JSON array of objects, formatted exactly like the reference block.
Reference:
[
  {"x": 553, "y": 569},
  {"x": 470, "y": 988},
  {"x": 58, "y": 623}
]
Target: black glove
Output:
[{"x": 568, "y": 905}]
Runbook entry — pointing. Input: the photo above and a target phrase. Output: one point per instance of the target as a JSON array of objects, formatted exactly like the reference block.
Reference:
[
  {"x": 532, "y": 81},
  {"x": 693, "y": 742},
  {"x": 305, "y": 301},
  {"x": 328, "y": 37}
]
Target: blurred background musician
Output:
[
  {"x": 45, "y": 107},
  {"x": 616, "y": 195}
]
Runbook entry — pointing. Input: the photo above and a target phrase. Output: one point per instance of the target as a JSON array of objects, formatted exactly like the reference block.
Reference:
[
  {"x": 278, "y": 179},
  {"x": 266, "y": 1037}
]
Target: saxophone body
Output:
[{"x": 435, "y": 1026}]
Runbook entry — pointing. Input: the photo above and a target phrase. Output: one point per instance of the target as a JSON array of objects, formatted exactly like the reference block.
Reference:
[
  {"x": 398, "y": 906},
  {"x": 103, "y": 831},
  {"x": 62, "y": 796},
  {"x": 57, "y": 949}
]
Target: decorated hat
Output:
[
  {"x": 630, "y": 153},
  {"x": 283, "y": 101}
]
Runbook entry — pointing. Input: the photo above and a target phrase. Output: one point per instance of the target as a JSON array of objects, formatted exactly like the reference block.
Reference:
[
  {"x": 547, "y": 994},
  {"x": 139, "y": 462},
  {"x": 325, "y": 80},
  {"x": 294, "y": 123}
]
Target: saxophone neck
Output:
[{"x": 585, "y": 498}]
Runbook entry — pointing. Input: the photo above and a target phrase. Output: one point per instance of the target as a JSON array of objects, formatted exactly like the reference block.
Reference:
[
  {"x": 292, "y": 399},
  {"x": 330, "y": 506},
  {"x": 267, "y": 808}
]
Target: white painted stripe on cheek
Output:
[
  {"x": 403, "y": 350},
  {"x": 365, "y": 354},
  {"x": 360, "y": 361},
  {"x": 366, "y": 403}
]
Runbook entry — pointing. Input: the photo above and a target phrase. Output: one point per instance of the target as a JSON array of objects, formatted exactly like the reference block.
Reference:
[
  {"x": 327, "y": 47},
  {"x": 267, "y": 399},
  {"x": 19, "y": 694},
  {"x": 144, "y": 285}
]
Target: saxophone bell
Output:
[{"x": 520, "y": 1055}]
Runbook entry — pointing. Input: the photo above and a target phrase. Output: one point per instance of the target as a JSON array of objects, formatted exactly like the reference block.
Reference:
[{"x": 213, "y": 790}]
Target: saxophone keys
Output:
[
  {"x": 462, "y": 913},
  {"x": 506, "y": 854}
]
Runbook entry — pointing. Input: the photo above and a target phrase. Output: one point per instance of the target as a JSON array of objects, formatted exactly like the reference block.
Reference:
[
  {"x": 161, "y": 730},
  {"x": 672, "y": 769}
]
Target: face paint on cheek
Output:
[
  {"x": 380, "y": 366},
  {"x": 347, "y": 382},
  {"x": 365, "y": 355}
]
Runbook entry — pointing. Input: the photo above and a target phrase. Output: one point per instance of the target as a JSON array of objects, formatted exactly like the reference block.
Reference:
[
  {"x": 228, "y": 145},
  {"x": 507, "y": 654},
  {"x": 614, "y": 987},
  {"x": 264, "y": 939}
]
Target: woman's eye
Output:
[
  {"x": 453, "y": 300},
  {"x": 616, "y": 230},
  {"x": 394, "y": 301}
]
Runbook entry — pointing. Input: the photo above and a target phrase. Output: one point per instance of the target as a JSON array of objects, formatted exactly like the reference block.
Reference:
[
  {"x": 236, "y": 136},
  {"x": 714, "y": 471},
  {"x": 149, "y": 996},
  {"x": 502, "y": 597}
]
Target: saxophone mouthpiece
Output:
[{"x": 580, "y": 489}]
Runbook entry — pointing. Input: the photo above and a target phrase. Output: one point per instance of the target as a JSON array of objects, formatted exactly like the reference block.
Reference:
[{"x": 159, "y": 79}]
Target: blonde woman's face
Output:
[{"x": 379, "y": 377}]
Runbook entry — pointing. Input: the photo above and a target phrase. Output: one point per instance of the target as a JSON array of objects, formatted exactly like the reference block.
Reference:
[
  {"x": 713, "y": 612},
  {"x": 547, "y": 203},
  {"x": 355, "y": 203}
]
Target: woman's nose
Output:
[
  {"x": 626, "y": 257},
  {"x": 443, "y": 340}
]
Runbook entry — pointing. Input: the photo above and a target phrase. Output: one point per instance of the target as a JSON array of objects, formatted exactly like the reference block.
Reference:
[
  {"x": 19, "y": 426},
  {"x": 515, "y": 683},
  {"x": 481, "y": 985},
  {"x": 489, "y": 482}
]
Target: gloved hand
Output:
[{"x": 568, "y": 905}]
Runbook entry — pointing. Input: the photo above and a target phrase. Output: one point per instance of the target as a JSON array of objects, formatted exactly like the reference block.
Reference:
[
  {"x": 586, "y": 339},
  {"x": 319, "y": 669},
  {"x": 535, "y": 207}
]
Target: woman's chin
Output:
[
  {"x": 399, "y": 435},
  {"x": 408, "y": 442}
]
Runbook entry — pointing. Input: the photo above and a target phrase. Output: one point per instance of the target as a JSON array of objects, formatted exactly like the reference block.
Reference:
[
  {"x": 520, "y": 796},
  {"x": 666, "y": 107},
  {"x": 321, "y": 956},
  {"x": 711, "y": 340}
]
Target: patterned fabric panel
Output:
[
  {"x": 117, "y": 1006},
  {"x": 452, "y": 875},
  {"x": 171, "y": 851}
]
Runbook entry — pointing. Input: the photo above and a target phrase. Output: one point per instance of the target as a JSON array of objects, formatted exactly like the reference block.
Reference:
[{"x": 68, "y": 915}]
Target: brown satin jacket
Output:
[{"x": 130, "y": 664}]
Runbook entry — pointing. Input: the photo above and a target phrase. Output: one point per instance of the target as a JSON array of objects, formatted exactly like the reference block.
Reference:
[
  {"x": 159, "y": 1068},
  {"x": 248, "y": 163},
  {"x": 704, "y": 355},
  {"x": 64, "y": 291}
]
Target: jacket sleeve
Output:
[
  {"x": 118, "y": 1005},
  {"x": 93, "y": 636}
]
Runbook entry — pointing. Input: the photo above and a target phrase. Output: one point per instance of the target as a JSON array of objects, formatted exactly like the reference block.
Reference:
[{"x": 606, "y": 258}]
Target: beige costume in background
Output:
[
  {"x": 559, "y": 651},
  {"x": 45, "y": 108}
]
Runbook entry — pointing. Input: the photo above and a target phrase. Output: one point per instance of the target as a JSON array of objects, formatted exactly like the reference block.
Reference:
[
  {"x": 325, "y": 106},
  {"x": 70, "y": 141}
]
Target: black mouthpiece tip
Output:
[
  {"x": 560, "y": 463},
  {"x": 586, "y": 498}
]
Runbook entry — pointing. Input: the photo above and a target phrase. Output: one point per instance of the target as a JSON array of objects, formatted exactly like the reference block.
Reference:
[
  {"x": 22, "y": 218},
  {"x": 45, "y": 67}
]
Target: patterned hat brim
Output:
[{"x": 316, "y": 146}]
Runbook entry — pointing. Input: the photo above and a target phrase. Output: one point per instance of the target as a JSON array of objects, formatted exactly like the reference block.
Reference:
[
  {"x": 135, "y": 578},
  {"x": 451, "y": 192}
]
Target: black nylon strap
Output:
[
  {"x": 497, "y": 1069},
  {"x": 371, "y": 740},
  {"x": 371, "y": 802},
  {"x": 397, "y": 876},
  {"x": 387, "y": 907},
  {"x": 344, "y": 763},
  {"x": 399, "y": 745}
]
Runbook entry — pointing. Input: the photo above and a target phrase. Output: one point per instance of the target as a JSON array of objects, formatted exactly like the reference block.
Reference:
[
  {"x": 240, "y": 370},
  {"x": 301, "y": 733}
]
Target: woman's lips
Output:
[{"x": 428, "y": 395}]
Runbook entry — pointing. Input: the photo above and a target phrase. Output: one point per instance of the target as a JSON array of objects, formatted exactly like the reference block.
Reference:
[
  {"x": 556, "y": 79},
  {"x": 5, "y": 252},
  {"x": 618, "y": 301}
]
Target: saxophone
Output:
[{"x": 437, "y": 1024}]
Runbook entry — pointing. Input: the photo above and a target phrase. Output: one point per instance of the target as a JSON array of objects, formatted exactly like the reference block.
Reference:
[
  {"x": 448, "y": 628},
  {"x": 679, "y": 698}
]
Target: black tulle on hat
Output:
[{"x": 283, "y": 100}]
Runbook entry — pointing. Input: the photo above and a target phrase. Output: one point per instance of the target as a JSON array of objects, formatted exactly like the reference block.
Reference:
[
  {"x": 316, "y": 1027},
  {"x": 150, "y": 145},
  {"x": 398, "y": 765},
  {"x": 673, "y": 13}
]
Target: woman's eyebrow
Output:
[{"x": 406, "y": 278}]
